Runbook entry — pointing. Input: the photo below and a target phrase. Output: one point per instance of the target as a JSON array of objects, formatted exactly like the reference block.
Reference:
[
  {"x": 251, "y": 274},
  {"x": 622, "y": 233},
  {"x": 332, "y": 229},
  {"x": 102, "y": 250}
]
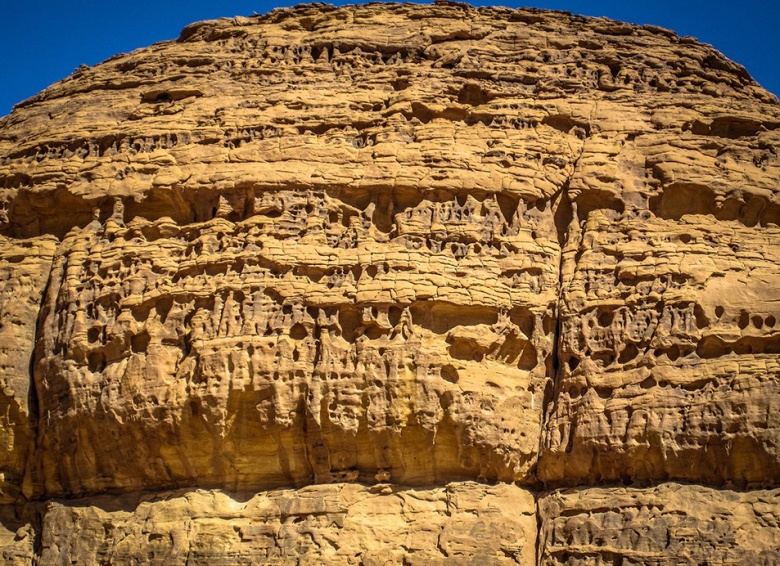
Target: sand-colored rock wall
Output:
[
  {"x": 340, "y": 524},
  {"x": 393, "y": 284}
]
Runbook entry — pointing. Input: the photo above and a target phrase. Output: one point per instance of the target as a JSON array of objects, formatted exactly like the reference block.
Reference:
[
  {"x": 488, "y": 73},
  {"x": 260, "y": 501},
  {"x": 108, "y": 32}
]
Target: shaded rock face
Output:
[{"x": 393, "y": 284}]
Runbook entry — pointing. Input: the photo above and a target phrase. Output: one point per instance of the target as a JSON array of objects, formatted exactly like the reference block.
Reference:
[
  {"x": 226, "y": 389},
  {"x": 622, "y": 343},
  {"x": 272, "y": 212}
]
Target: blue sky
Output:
[{"x": 42, "y": 42}]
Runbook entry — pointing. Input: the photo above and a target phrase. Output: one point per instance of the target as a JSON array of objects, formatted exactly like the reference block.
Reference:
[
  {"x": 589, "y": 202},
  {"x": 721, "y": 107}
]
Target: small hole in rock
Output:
[
  {"x": 96, "y": 362},
  {"x": 605, "y": 318},
  {"x": 93, "y": 334},
  {"x": 648, "y": 383},
  {"x": 604, "y": 392},
  {"x": 374, "y": 332},
  {"x": 449, "y": 373},
  {"x": 629, "y": 353},
  {"x": 298, "y": 332},
  {"x": 140, "y": 342}
]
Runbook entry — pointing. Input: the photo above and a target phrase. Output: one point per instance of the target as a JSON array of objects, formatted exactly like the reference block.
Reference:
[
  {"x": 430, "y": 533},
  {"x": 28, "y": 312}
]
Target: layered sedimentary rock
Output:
[
  {"x": 270, "y": 350},
  {"x": 668, "y": 524},
  {"x": 448, "y": 259},
  {"x": 24, "y": 270},
  {"x": 669, "y": 355},
  {"x": 464, "y": 523}
]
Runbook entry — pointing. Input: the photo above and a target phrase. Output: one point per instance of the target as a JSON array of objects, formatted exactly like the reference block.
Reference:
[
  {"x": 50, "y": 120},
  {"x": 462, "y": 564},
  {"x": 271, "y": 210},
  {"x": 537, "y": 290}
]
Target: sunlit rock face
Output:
[{"x": 393, "y": 283}]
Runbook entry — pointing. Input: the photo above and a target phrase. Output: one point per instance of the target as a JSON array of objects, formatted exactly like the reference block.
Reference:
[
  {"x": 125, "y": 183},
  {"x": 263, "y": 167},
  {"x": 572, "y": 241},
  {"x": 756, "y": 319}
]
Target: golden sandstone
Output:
[{"x": 393, "y": 284}]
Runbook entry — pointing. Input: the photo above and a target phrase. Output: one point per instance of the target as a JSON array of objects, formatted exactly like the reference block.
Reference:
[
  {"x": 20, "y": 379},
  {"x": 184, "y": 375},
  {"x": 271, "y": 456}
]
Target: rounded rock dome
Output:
[{"x": 451, "y": 260}]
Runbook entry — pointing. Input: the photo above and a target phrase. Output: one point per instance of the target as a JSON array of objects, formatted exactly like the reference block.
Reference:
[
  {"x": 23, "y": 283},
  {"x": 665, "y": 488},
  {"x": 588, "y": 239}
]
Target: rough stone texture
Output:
[
  {"x": 466, "y": 523},
  {"x": 229, "y": 353},
  {"x": 24, "y": 271},
  {"x": 19, "y": 529},
  {"x": 668, "y": 524},
  {"x": 394, "y": 245},
  {"x": 669, "y": 355}
]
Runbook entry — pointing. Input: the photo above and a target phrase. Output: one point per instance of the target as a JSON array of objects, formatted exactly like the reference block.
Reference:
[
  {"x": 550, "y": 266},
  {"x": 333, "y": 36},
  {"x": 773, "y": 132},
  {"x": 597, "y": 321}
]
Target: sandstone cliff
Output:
[{"x": 393, "y": 284}]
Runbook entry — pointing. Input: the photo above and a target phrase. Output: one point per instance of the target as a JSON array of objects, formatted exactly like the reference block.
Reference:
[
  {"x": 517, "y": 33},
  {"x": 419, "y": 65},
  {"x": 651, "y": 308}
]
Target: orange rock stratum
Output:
[{"x": 393, "y": 284}]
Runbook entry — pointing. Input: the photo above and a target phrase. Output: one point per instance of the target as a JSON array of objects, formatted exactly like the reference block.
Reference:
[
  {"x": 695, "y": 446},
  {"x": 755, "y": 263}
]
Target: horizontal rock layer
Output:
[
  {"x": 668, "y": 524},
  {"x": 461, "y": 523},
  {"x": 336, "y": 524},
  {"x": 391, "y": 247}
]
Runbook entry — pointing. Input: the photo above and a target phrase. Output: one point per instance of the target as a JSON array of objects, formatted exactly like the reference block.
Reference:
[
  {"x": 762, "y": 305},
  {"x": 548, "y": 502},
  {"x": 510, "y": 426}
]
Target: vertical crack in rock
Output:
[
  {"x": 32, "y": 398},
  {"x": 567, "y": 224},
  {"x": 565, "y": 221}
]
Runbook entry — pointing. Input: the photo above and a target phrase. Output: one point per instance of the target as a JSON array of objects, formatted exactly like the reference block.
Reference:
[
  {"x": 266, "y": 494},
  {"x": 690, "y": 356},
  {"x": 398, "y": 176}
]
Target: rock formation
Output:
[{"x": 391, "y": 284}]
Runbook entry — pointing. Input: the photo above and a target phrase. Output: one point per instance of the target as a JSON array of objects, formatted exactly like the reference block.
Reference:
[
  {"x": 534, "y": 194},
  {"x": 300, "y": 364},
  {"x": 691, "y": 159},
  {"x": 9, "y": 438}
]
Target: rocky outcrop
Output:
[
  {"x": 341, "y": 524},
  {"x": 668, "y": 524},
  {"x": 669, "y": 355},
  {"x": 392, "y": 283},
  {"x": 242, "y": 357},
  {"x": 24, "y": 270}
]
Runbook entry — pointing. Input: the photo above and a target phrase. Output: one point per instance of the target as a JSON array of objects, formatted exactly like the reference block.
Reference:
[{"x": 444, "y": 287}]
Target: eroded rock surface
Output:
[
  {"x": 24, "y": 271},
  {"x": 270, "y": 350},
  {"x": 668, "y": 524},
  {"x": 19, "y": 532},
  {"x": 340, "y": 524},
  {"x": 669, "y": 355},
  {"x": 390, "y": 248}
]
